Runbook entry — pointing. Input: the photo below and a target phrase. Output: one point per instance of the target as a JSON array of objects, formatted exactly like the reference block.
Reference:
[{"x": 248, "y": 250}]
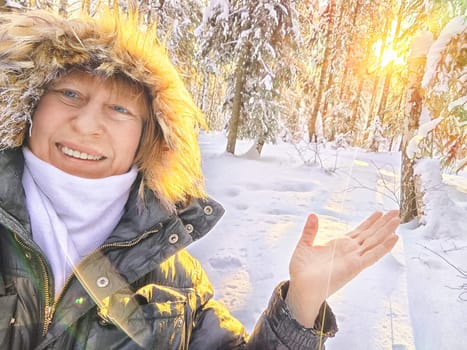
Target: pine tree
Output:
[
  {"x": 176, "y": 22},
  {"x": 250, "y": 38}
]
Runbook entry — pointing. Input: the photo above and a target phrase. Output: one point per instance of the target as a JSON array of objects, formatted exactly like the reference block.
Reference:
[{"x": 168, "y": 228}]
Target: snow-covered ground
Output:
[{"x": 414, "y": 298}]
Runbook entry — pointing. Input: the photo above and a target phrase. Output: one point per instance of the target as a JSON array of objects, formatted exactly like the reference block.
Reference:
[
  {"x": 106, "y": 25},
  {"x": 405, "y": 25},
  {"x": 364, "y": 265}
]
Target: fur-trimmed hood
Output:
[{"x": 37, "y": 46}]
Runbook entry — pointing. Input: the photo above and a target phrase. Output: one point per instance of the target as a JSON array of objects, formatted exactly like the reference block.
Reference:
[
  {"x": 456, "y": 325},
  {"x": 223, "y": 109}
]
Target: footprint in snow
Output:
[
  {"x": 225, "y": 263},
  {"x": 232, "y": 192}
]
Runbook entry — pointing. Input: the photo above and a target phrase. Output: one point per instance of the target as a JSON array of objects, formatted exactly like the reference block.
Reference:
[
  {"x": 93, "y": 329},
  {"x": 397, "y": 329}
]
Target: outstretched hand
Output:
[{"x": 316, "y": 272}]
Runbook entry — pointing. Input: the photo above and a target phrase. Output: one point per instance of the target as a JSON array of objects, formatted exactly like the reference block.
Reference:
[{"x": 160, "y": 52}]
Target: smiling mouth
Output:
[{"x": 77, "y": 154}]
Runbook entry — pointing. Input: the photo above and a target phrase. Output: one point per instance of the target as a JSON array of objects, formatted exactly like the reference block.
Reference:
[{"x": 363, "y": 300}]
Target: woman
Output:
[{"x": 101, "y": 191}]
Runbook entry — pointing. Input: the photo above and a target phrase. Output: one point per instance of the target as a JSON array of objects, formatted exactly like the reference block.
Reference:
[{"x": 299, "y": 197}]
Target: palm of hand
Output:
[{"x": 318, "y": 271}]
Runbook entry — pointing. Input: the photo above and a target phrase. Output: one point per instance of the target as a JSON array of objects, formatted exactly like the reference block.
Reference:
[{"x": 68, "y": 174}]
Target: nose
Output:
[{"x": 87, "y": 120}]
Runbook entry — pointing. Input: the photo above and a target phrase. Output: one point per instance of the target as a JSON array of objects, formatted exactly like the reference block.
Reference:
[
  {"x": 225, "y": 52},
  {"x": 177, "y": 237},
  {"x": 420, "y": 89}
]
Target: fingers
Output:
[
  {"x": 373, "y": 255},
  {"x": 365, "y": 224},
  {"x": 380, "y": 235},
  {"x": 310, "y": 230},
  {"x": 374, "y": 225}
]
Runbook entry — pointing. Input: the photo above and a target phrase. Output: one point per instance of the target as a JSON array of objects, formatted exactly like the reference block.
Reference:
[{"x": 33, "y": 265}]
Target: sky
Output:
[{"x": 414, "y": 298}]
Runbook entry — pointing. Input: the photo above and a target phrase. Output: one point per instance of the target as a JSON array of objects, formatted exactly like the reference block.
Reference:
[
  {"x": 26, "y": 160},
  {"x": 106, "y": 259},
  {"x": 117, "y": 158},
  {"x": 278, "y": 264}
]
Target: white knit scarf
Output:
[{"x": 71, "y": 216}]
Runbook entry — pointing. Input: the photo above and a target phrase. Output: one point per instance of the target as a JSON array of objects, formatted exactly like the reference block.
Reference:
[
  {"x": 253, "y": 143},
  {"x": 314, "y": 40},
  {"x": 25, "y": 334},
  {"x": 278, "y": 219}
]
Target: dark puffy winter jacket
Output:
[{"x": 139, "y": 290}]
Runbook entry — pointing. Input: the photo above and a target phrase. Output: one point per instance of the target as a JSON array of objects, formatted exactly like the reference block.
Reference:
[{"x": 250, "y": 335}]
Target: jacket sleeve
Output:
[
  {"x": 276, "y": 329},
  {"x": 216, "y": 328}
]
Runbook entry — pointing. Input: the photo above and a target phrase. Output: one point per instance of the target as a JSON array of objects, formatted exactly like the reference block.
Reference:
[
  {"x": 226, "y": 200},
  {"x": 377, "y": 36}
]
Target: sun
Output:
[{"x": 389, "y": 56}]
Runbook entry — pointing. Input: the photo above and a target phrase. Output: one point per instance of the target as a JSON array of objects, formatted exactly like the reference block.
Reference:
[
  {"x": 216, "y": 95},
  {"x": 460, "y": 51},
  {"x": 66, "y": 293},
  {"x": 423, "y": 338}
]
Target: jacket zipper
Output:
[
  {"x": 49, "y": 309},
  {"x": 45, "y": 285}
]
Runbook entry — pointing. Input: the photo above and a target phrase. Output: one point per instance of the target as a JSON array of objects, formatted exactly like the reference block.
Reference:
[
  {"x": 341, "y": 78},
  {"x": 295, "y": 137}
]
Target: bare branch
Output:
[
  {"x": 390, "y": 191},
  {"x": 463, "y": 295},
  {"x": 461, "y": 271}
]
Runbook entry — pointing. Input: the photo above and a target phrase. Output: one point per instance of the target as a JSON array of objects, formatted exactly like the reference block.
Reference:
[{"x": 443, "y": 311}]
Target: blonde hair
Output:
[{"x": 38, "y": 46}]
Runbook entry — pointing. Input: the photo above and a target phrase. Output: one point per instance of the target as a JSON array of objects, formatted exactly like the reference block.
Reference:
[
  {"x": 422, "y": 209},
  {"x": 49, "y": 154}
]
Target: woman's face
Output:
[{"x": 87, "y": 126}]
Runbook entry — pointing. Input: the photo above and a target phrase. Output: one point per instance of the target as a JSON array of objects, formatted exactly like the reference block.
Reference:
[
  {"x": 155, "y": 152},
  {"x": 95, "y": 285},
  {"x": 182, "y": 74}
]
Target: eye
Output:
[
  {"x": 120, "y": 109},
  {"x": 69, "y": 93}
]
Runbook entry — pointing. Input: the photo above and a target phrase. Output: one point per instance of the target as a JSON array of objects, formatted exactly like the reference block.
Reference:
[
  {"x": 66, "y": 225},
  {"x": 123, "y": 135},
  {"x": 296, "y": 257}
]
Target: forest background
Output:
[{"x": 355, "y": 73}]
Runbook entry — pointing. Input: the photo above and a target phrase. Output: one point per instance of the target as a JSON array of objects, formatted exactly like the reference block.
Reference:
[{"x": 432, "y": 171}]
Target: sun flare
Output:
[{"x": 389, "y": 56}]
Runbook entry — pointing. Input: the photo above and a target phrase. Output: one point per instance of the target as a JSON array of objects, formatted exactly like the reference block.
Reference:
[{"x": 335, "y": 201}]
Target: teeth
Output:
[{"x": 80, "y": 155}]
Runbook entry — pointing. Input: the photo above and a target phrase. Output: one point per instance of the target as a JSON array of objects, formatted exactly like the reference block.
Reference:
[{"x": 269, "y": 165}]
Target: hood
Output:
[{"x": 37, "y": 46}]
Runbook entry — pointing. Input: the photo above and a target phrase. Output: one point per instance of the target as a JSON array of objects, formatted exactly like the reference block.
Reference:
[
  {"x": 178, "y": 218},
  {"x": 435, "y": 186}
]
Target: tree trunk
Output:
[
  {"x": 355, "y": 105},
  {"x": 211, "y": 96},
  {"x": 408, "y": 205},
  {"x": 335, "y": 50},
  {"x": 236, "y": 104},
  {"x": 322, "y": 76},
  {"x": 374, "y": 89},
  {"x": 384, "y": 95},
  {"x": 387, "y": 78},
  {"x": 348, "y": 60},
  {"x": 259, "y": 144},
  {"x": 356, "y": 100}
]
